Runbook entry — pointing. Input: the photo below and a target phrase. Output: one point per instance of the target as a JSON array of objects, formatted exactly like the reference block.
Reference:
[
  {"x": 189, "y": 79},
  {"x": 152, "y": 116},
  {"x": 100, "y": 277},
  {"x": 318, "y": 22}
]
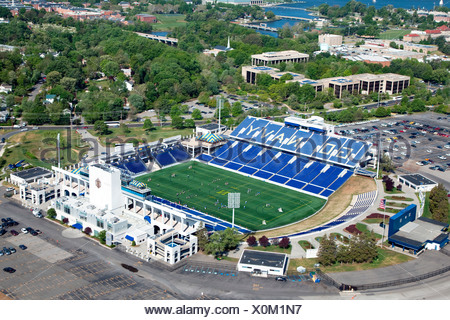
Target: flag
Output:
[{"x": 383, "y": 204}]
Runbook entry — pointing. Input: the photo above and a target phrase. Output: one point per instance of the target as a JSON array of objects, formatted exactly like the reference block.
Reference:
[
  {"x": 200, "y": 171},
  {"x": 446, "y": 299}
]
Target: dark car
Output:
[
  {"x": 6, "y": 251},
  {"x": 2, "y": 232},
  {"x": 23, "y": 247},
  {"x": 281, "y": 279},
  {"x": 9, "y": 270},
  {"x": 33, "y": 233},
  {"x": 12, "y": 250},
  {"x": 38, "y": 231},
  {"x": 14, "y": 232}
]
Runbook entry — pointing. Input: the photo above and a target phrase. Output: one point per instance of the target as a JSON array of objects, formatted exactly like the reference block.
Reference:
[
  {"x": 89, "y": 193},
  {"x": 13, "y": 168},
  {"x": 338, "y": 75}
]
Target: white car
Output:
[
  {"x": 416, "y": 142},
  {"x": 429, "y": 151},
  {"x": 24, "y": 230},
  {"x": 403, "y": 147},
  {"x": 447, "y": 146},
  {"x": 9, "y": 189},
  {"x": 419, "y": 163},
  {"x": 447, "y": 154},
  {"x": 403, "y": 153},
  {"x": 442, "y": 157}
]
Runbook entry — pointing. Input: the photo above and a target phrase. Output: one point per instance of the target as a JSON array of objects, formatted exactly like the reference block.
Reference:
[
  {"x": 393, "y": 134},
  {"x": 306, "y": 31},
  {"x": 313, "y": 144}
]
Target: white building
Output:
[
  {"x": 101, "y": 197},
  {"x": 330, "y": 39},
  {"x": 272, "y": 58},
  {"x": 263, "y": 263},
  {"x": 417, "y": 182}
]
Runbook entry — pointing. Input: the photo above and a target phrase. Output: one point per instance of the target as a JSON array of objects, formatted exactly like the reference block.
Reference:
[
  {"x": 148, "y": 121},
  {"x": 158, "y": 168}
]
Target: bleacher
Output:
[
  {"x": 279, "y": 167},
  {"x": 171, "y": 155},
  {"x": 331, "y": 149},
  {"x": 132, "y": 166}
]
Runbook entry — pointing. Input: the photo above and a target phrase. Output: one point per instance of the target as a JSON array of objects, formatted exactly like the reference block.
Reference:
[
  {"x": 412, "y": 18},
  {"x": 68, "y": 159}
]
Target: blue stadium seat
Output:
[
  {"x": 233, "y": 165},
  {"x": 277, "y": 164},
  {"x": 295, "y": 184},
  {"x": 179, "y": 154},
  {"x": 204, "y": 157},
  {"x": 248, "y": 170},
  {"x": 165, "y": 159},
  {"x": 326, "y": 178},
  {"x": 279, "y": 179},
  {"x": 327, "y": 193},
  {"x": 340, "y": 181},
  {"x": 308, "y": 174},
  {"x": 313, "y": 189},
  {"x": 218, "y": 161},
  {"x": 290, "y": 170},
  {"x": 263, "y": 174},
  {"x": 135, "y": 165}
]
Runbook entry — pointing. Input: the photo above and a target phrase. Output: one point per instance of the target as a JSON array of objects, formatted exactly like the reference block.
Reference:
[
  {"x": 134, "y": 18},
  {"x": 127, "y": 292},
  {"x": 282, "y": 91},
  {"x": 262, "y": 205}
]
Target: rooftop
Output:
[
  {"x": 260, "y": 258},
  {"x": 417, "y": 179},
  {"x": 32, "y": 173}
]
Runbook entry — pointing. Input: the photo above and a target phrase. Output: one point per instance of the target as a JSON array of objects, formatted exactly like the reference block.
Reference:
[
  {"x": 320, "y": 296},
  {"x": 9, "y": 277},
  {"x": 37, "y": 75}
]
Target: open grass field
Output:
[
  {"x": 206, "y": 188},
  {"x": 168, "y": 22},
  {"x": 393, "y": 34},
  {"x": 38, "y": 147}
]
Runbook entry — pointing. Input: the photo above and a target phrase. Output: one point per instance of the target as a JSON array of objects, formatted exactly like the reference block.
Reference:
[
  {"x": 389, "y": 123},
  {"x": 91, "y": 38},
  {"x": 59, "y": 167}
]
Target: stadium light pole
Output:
[{"x": 233, "y": 202}]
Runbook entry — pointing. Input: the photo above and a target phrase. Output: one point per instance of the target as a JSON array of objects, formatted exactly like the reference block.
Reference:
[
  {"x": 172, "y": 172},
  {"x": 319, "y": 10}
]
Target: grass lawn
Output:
[
  {"x": 394, "y": 191},
  {"x": 393, "y": 34},
  {"x": 138, "y": 135},
  {"x": 305, "y": 245},
  {"x": 38, "y": 147},
  {"x": 363, "y": 228},
  {"x": 392, "y": 210},
  {"x": 272, "y": 249},
  {"x": 385, "y": 258},
  {"x": 399, "y": 198},
  {"x": 376, "y": 220},
  {"x": 168, "y": 22},
  {"x": 396, "y": 204},
  {"x": 206, "y": 188}
]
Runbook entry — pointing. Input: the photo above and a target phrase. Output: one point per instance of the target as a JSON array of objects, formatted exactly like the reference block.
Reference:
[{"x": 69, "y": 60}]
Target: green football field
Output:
[{"x": 205, "y": 188}]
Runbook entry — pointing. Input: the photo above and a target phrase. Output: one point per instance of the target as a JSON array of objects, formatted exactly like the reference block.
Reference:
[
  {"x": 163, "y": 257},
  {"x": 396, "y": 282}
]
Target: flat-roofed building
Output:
[
  {"x": 272, "y": 58},
  {"x": 425, "y": 48},
  {"x": 317, "y": 84},
  {"x": 263, "y": 263},
  {"x": 330, "y": 39},
  {"x": 341, "y": 84},
  {"x": 250, "y": 72}
]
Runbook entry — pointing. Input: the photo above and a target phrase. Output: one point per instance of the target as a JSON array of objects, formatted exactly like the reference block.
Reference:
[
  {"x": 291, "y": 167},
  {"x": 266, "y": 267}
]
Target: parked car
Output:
[
  {"x": 12, "y": 249},
  {"x": 281, "y": 279},
  {"x": 2, "y": 232},
  {"x": 9, "y": 270},
  {"x": 24, "y": 230},
  {"x": 23, "y": 247},
  {"x": 14, "y": 232}
]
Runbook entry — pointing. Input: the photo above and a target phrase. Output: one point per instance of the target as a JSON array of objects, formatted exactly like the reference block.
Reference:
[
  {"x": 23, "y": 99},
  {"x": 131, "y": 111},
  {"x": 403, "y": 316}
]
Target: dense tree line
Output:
[{"x": 439, "y": 206}]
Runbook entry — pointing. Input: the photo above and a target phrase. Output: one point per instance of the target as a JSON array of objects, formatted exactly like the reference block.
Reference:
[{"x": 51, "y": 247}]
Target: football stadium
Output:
[{"x": 284, "y": 172}]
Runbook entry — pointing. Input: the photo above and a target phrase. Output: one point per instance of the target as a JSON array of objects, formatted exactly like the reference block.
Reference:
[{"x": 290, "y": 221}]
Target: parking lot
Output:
[
  {"x": 416, "y": 143},
  {"x": 49, "y": 269}
]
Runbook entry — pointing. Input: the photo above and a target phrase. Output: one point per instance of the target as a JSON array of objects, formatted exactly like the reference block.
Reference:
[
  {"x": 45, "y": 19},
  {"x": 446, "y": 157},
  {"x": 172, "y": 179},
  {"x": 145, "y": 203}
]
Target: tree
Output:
[
  {"x": 327, "y": 251},
  {"x": 197, "y": 115},
  {"x": 381, "y": 112},
  {"x": 111, "y": 68},
  {"x": 88, "y": 231},
  {"x": 148, "y": 125},
  {"x": 101, "y": 127},
  {"x": 222, "y": 241},
  {"x": 177, "y": 122},
  {"x": 439, "y": 203},
  {"x": 189, "y": 123},
  {"x": 386, "y": 163},
  {"x": 65, "y": 220},
  {"x": 389, "y": 183},
  {"x": 251, "y": 241},
  {"x": 236, "y": 109},
  {"x": 137, "y": 102},
  {"x": 202, "y": 236},
  {"x": 133, "y": 243},
  {"x": 284, "y": 243},
  {"x": 264, "y": 241},
  {"x": 270, "y": 15},
  {"x": 102, "y": 236},
  {"x": 51, "y": 213},
  {"x": 53, "y": 78},
  {"x": 399, "y": 187}
]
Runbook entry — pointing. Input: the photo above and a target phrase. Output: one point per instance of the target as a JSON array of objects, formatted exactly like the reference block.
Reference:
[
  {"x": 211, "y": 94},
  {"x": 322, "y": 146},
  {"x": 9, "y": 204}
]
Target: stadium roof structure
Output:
[{"x": 211, "y": 138}]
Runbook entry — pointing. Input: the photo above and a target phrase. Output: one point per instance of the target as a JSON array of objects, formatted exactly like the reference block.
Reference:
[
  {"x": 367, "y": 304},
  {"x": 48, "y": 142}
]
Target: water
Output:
[
  {"x": 292, "y": 9},
  {"x": 160, "y": 33}
]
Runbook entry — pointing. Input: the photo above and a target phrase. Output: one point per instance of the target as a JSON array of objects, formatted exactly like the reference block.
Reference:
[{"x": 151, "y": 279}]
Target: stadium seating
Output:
[
  {"x": 339, "y": 150},
  {"x": 179, "y": 153},
  {"x": 164, "y": 158},
  {"x": 135, "y": 165}
]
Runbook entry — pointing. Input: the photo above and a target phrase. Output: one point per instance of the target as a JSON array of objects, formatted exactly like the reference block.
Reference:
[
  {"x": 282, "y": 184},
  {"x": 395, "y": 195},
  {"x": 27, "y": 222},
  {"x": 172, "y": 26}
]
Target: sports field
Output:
[{"x": 205, "y": 188}]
